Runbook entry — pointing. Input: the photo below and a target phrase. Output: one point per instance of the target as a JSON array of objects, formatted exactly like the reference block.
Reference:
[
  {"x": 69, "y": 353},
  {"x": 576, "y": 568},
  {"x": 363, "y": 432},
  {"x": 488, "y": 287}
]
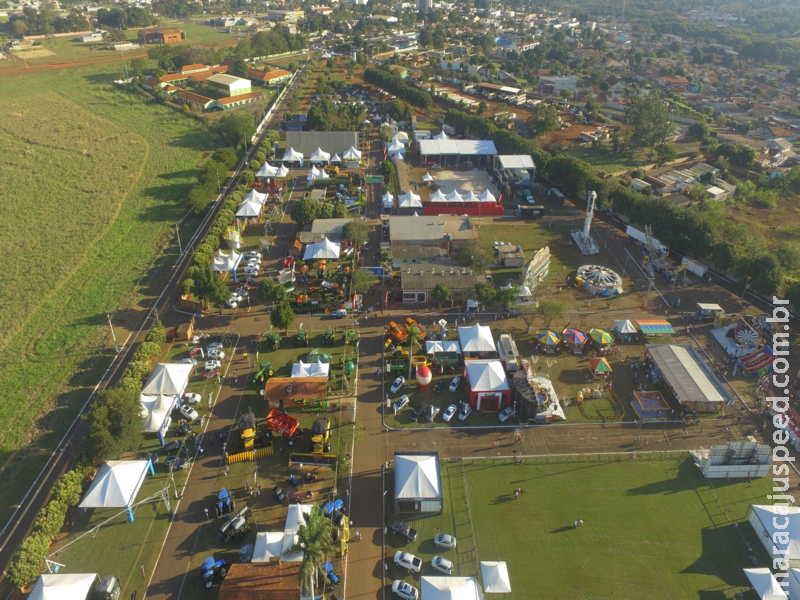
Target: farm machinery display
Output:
[
  {"x": 302, "y": 337},
  {"x": 399, "y": 333},
  {"x": 265, "y": 373},
  {"x": 224, "y": 504},
  {"x": 213, "y": 569},
  {"x": 237, "y": 526},
  {"x": 329, "y": 338},
  {"x": 320, "y": 436},
  {"x": 284, "y": 425},
  {"x": 273, "y": 339},
  {"x": 252, "y": 443}
]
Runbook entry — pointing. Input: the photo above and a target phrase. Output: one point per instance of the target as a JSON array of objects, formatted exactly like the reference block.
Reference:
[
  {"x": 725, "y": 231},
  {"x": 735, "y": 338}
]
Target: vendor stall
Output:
[
  {"x": 575, "y": 340},
  {"x": 624, "y": 331},
  {"x": 601, "y": 339},
  {"x": 650, "y": 405},
  {"x": 548, "y": 341},
  {"x": 599, "y": 368}
]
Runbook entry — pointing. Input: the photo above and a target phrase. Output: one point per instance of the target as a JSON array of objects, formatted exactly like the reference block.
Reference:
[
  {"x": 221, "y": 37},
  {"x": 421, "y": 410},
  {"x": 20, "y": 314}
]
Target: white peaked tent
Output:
[
  {"x": 454, "y": 196},
  {"x": 409, "y": 200},
  {"x": 352, "y": 154},
  {"x": 116, "y": 484},
  {"x": 291, "y": 156},
  {"x": 266, "y": 170},
  {"x": 169, "y": 379},
  {"x": 450, "y": 588},
  {"x": 387, "y": 200},
  {"x": 317, "y": 369},
  {"x": 624, "y": 327},
  {"x": 486, "y": 196},
  {"x": 283, "y": 172},
  {"x": 254, "y": 196},
  {"x": 63, "y": 586},
  {"x": 336, "y": 159},
  {"x": 248, "y": 210},
  {"x": 268, "y": 546},
  {"x": 470, "y": 197},
  {"x": 155, "y": 411},
  {"x": 324, "y": 249},
  {"x": 313, "y": 173},
  {"x": 438, "y": 196},
  {"x": 486, "y": 375},
  {"x": 396, "y": 149},
  {"x": 224, "y": 262},
  {"x": 763, "y": 517},
  {"x": 445, "y": 346},
  {"x": 794, "y": 584},
  {"x": 296, "y": 516},
  {"x": 320, "y": 156},
  {"x": 765, "y": 584},
  {"x": 477, "y": 338},
  {"x": 441, "y": 136},
  {"x": 417, "y": 478},
  {"x": 495, "y": 577},
  {"x": 427, "y": 178}
]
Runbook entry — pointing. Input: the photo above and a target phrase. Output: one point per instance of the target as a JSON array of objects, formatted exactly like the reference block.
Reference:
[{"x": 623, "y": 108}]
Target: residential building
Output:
[
  {"x": 559, "y": 83},
  {"x": 270, "y": 77},
  {"x": 195, "y": 100},
  {"x": 418, "y": 280},
  {"x": 415, "y": 254},
  {"x": 509, "y": 255},
  {"x": 169, "y": 35},
  {"x": 91, "y": 37},
  {"x": 188, "y": 69},
  {"x": 287, "y": 16}
]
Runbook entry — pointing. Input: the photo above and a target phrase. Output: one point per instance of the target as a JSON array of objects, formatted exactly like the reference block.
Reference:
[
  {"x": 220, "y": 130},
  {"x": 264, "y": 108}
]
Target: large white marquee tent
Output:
[
  {"x": 477, "y": 338},
  {"x": 169, "y": 379},
  {"x": 495, "y": 577},
  {"x": 417, "y": 481},
  {"x": 63, "y": 586},
  {"x": 450, "y": 588},
  {"x": 155, "y": 411},
  {"x": 317, "y": 369},
  {"x": 116, "y": 484},
  {"x": 254, "y": 196},
  {"x": 225, "y": 262},
  {"x": 292, "y": 156},
  {"x": 325, "y": 249},
  {"x": 765, "y": 584},
  {"x": 248, "y": 210}
]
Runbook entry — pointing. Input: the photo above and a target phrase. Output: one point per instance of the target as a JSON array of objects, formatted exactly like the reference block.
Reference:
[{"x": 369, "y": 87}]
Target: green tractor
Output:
[
  {"x": 265, "y": 373},
  {"x": 273, "y": 339},
  {"x": 350, "y": 336},
  {"x": 329, "y": 337},
  {"x": 302, "y": 337}
]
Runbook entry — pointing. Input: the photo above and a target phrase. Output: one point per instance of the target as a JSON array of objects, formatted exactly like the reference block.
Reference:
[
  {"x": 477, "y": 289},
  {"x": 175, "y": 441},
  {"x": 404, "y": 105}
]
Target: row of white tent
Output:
[
  {"x": 454, "y": 196},
  {"x": 160, "y": 394},
  {"x": 267, "y": 170},
  {"x": 320, "y": 156},
  {"x": 317, "y": 369},
  {"x": 253, "y": 202}
]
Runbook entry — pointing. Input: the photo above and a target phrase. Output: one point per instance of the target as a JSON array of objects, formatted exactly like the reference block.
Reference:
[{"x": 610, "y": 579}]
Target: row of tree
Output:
[{"x": 394, "y": 84}]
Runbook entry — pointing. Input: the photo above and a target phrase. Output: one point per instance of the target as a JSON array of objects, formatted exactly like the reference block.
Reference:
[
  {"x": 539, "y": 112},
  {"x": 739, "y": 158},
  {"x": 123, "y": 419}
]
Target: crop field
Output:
[
  {"x": 653, "y": 524},
  {"x": 93, "y": 183}
]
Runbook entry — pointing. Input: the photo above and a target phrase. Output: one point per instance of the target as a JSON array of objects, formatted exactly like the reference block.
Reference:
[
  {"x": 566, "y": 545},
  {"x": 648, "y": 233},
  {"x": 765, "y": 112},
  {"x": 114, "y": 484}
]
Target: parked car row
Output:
[{"x": 412, "y": 563}]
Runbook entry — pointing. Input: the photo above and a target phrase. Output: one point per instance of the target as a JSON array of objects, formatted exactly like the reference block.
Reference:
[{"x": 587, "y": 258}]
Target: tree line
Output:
[{"x": 394, "y": 84}]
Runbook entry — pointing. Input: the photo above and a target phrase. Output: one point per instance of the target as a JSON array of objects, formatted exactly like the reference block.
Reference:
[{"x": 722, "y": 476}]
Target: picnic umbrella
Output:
[
  {"x": 547, "y": 336},
  {"x": 601, "y": 336},
  {"x": 573, "y": 336},
  {"x": 599, "y": 365}
]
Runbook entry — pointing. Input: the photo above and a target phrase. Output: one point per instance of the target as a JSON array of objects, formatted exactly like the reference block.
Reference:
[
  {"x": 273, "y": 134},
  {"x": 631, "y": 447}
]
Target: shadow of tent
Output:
[
  {"x": 688, "y": 477},
  {"x": 724, "y": 555}
]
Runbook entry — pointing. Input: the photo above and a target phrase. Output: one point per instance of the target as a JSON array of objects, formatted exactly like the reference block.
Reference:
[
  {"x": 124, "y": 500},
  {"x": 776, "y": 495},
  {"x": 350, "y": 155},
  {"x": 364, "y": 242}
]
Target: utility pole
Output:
[
  {"x": 113, "y": 335},
  {"x": 746, "y": 283},
  {"x": 178, "y": 233}
]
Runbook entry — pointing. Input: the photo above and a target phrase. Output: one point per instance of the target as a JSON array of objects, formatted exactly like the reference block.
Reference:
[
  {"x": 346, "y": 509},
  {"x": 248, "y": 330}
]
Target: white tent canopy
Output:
[
  {"x": 268, "y": 546},
  {"x": 225, "y": 262},
  {"x": 351, "y": 154},
  {"x": 438, "y": 196},
  {"x": 765, "y": 584},
  {"x": 291, "y": 156},
  {"x": 314, "y": 172},
  {"x": 486, "y": 196},
  {"x": 387, "y": 200},
  {"x": 169, "y": 379},
  {"x": 336, "y": 159},
  {"x": 495, "y": 577},
  {"x": 116, "y": 484},
  {"x": 454, "y": 196},
  {"x": 324, "y": 249},
  {"x": 410, "y": 200},
  {"x": 624, "y": 326},
  {"x": 470, "y": 197},
  {"x": 486, "y": 376},
  {"x": 63, "y": 586},
  {"x": 248, "y": 210},
  {"x": 477, "y": 338},
  {"x": 266, "y": 170},
  {"x": 317, "y": 369},
  {"x": 396, "y": 148},
  {"x": 320, "y": 156},
  {"x": 416, "y": 476},
  {"x": 282, "y": 172},
  {"x": 296, "y": 516},
  {"x": 427, "y": 177},
  {"x": 441, "y": 136},
  {"x": 766, "y": 513},
  {"x": 445, "y": 346},
  {"x": 254, "y": 196},
  {"x": 401, "y": 137},
  {"x": 155, "y": 411},
  {"x": 450, "y": 588}
]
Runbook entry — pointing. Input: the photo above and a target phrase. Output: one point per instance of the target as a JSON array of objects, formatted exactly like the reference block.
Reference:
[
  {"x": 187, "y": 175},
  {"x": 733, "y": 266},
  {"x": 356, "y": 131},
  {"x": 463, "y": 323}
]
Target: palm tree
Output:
[{"x": 315, "y": 543}]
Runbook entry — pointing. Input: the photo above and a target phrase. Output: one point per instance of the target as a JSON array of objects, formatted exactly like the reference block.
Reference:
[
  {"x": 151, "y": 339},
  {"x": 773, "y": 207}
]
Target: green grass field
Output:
[
  {"x": 652, "y": 528},
  {"x": 603, "y": 159},
  {"x": 94, "y": 185}
]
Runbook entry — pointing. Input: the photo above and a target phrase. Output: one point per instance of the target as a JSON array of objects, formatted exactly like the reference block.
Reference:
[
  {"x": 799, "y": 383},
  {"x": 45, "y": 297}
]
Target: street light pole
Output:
[
  {"x": 178, "y": 233},
  {"x": 113, "y": 335}
]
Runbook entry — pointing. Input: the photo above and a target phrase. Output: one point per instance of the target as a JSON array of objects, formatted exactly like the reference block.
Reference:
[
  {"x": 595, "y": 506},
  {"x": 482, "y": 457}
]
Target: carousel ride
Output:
[{"x": 599, "y": 280}]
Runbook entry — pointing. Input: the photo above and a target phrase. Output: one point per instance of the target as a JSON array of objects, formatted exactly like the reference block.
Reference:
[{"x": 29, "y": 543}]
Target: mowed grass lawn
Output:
[
  {"x": 94, "y": 181},
  {"x": 653, "y": 528}
]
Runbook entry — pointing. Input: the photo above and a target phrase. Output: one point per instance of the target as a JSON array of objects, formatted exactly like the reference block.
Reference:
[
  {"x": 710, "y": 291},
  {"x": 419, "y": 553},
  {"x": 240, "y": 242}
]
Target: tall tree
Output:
[
  {"x": 440, "y": 294},
  {"x": 649, "y": 121},
  {"x": 208, "y": 288},
  {"x": 362, "y": 281},
  {"x": 115, "y": 424},
  {"x": 305, "y": 211},
  {"x": 282, "y": 316},
  {"x": 269, "y": 291},
  {"x": 357, "y": 233},
  {"x": 315, "y": 543},
  {"x": 550, "y": 311},
  {"x": 474, "y": 254},
  {"x": 484, "y": 292}
]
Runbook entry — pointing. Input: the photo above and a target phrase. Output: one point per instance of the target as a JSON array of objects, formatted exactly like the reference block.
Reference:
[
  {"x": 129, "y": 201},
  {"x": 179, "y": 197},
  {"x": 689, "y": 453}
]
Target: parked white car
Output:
[
  {"x": 191, "y": 398},
  {"x": 449, "y": 413},
  {"x": 188, "y": 412},
  {"x": 465, "y": 412},
  {"x": 231, "y": 302},
  {"x": 506, "y": 414},
  {"x": 189, "y": 361},
  {"x": 407, "y": 561},
  {"x": 454, "y": 384},
  {"x": 214, "y": 346},
  {"x": 444, "y": 540},
  {"x": 213, "y": 364},
  {"x": 216, "y": 354},
  {"x": 442, "y": 564},
  {"x": 405, "y": 590},
  {"x": 397, "y": 384}
]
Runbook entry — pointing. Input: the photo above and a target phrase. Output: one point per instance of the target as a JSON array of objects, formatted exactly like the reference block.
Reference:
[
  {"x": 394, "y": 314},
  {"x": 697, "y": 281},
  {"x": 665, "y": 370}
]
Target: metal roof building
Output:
[
  {"x": 334, "y": 142},
  {"x": 418, "y": 281},
  {"x": 688, "y": 377},
  {"x": 448, "y": 151}
]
